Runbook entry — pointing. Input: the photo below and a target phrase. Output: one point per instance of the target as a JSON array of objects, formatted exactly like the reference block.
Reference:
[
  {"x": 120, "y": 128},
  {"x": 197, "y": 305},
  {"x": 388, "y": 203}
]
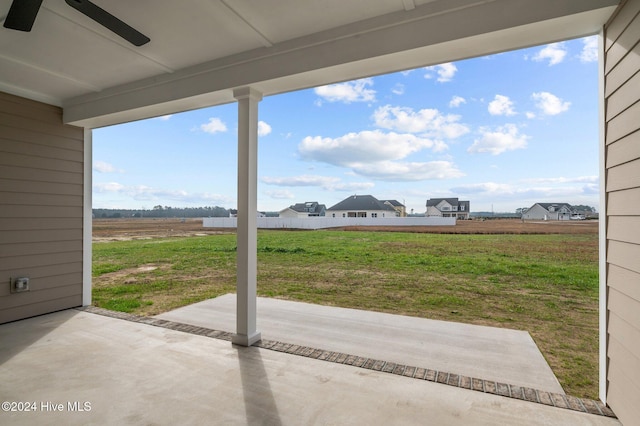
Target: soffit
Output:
[{"x": 201, "y": 50}]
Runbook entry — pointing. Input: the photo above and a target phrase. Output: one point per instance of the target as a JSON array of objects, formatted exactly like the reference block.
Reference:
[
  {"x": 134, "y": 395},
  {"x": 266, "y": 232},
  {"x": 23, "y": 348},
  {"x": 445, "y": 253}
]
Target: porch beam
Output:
[
  {"x": 247, "y": 233},
  {"x": 369, "y": 47}
]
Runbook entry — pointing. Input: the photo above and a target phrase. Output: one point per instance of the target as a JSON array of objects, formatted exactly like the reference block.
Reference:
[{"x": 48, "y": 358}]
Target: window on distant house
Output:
[{"x": 374, "y": 214}]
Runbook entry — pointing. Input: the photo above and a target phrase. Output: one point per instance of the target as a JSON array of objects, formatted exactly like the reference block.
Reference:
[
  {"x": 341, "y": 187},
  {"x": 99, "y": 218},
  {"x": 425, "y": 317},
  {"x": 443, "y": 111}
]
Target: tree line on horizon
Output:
[{"x": 163, "y": 211}]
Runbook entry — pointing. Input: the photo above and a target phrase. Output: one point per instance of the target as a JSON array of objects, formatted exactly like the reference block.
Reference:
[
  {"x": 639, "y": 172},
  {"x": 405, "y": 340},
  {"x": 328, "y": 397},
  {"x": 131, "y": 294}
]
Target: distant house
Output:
[
  {"x": 234, "y": 213},
  {"x": 361, "y": 206},
  {"x": 447, "y": 207},
  {"x": 549, "y": 211},
  {"x": 301, "y": 210},
  {"x": 401, "y": 210}
]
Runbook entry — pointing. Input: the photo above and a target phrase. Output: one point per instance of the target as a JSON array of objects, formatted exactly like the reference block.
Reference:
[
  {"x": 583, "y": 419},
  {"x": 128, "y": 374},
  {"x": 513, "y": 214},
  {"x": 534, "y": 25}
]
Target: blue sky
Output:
[{"x": 502, "y": 131}]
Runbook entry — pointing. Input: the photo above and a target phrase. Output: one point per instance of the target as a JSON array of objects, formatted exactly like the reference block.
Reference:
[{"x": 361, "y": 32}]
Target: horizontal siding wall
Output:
[
  {"x": 622, "y": 162},
  {"x": 41, "y": 207}
]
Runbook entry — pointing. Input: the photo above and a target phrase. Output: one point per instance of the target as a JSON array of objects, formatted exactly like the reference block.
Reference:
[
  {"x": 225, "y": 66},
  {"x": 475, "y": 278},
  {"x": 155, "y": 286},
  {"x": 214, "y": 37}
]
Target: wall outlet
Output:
[{"x": 19, "y": 285}]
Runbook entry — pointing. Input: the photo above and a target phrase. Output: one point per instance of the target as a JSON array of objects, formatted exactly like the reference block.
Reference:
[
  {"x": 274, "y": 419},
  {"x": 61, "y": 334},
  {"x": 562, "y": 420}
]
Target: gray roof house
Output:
[
  {"x": 361, "y": 206},
  {"x": 308, "y": 209},
  {"x": 448, "y": 207},
  {"x": 549, "y": 211},
  {"x": 218, "y": 53},
  {"x": 400, "y": 208}
]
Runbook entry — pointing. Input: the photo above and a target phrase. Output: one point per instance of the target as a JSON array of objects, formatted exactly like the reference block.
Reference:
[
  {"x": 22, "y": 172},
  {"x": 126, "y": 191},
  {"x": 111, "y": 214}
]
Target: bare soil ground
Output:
[
  {"x": 143, "y": 228},
  {"x": 146, "y": 228}
]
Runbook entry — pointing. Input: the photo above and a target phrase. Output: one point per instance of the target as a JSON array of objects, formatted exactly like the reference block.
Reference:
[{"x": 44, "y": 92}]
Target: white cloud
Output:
[
  {"x": 550, "y": 104},
  {"x": 351, "y": 91},
  {"x": 263, "y": 128},
  {"x": 529, "y": 193},
  {"x": 281, "y": 194},
  {"x": 363, "y": 147},
  {"x": 429, "y": 122},
  {"x": 456, "y": 101},
  {"x": 485, "y": 188},
  {"x": 408, "y": 171},
  {"x": 445, "y": 72},
  {"x": 303, "y": 180},
  {"x": 376, "y": 155},
  {"x": 351, "y": 186},
  {"x": 103, "y": 167},
  {"x": 325, "y": 182},
  {"x": 108, "y": 187},
  {"x": 561, "y": 179},
  {"x": 554, "y": 53},
  {"x": 589, "y": 51},
  {"x": 504, "y": 138},
  {"x": 530, "y": 115},
  {"x": 164, "y": 117},
  {"x": 501, "y": 105},
  {"x": 591, "y": 189},
  {"x": 398, "y": 89},
  {"x": 147, "y": 193},
  {"x": 214, "y": 125}
]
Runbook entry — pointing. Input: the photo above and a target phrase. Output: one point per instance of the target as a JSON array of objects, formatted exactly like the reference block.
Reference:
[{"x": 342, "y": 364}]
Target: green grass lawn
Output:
[{"x": 544, "y": 284}]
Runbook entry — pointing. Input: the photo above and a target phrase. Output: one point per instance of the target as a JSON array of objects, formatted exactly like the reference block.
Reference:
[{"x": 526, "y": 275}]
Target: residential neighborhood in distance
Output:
[
  {"x": 352, "y": 206},
  {"x": 367, "y": 206}
]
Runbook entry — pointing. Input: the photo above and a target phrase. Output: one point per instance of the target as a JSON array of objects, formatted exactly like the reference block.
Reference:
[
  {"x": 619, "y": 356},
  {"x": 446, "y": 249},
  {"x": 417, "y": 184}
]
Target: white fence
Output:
[{"x": 329, "y": 222}]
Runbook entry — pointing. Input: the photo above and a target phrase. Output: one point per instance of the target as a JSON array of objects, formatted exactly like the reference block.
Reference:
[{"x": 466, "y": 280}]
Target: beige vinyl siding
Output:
[
  {"x": 41, "y": 208},
  {"x": 625, "y": 148},
  {"x": 622, "y": 162},
  {"x": 624, "y": 228}
]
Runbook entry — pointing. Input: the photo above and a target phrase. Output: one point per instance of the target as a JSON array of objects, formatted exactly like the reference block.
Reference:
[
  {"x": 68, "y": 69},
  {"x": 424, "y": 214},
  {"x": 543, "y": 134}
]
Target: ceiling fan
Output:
[{"x": 22, "y": 15}]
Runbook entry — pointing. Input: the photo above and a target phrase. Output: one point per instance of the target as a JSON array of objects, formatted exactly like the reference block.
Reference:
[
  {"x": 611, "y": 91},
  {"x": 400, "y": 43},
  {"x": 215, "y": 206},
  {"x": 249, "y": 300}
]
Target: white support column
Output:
[
  {"x": 87, "y": 221},
  {"x": 247, "y": 234}
]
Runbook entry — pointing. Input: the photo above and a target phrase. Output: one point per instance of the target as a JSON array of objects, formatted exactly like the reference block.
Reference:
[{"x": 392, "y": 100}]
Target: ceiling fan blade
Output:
[
  {"x": 109, "y": 21},
  {"x": 22, "y": 14}
]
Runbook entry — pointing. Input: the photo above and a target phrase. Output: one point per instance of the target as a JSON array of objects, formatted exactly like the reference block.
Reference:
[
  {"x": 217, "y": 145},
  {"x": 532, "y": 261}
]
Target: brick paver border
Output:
[{"x": 446, "y": 378}]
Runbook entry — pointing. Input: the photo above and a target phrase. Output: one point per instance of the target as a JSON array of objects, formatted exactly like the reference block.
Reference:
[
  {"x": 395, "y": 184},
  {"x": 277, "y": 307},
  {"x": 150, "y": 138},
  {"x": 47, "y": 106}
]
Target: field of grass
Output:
[{"x": 544, "y": 284}]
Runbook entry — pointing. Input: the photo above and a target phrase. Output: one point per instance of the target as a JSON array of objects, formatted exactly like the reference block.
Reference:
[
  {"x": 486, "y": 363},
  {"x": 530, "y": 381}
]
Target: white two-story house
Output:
[{"x": 447, "y": 207}]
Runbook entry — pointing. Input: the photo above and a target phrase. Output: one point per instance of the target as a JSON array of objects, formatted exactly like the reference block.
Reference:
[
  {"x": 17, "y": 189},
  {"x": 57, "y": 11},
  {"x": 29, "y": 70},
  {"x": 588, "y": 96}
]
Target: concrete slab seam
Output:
[{"x": 506, "y": 390}]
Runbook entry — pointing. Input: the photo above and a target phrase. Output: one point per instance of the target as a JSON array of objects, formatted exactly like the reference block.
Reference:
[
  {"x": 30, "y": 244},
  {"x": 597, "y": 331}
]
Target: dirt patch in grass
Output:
[
  {"x": 126, "y": 276},
  {"x": 148, "y": 228}
]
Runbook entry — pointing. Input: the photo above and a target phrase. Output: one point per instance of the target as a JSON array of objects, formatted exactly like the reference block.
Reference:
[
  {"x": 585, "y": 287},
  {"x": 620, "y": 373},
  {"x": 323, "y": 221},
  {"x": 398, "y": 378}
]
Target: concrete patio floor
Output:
[
  {"x": 136, "y": 373},
  {"x": 490, "y": 353}
]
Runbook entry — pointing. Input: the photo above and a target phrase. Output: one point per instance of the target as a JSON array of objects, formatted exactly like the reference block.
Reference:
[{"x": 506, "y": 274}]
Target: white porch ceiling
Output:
[{"x": 201, "y": 50}]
